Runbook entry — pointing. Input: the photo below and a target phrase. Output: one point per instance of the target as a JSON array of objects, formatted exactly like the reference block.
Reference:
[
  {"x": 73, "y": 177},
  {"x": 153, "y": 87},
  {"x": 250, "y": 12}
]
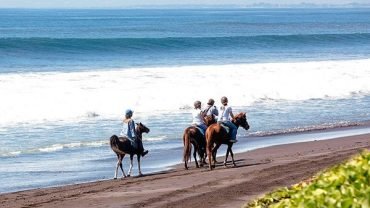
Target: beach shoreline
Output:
[{"x": 258, "y": 171}]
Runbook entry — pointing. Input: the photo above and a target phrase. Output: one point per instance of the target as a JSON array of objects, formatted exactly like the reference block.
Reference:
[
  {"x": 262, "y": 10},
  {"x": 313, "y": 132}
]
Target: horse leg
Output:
[
  {"x": 195, "y": 156},
  {"x": 201, "y": 158},
  {"x": 227, "y": 155},
  {"x": 214, "y": 154},
  {"x": 214, "y": 151},
  {"x": 232, "y": 155},
  {"x": 138, "y": 164},
  {"x": 209, "y": 153},
  {"x": 131, "y": 165},
  {"x": 120, "y": 165},
  {"x": 186, "y": 165}
]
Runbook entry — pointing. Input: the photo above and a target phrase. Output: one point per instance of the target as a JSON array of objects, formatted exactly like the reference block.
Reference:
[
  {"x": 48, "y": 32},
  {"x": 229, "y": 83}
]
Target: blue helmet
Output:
[{"x": 129, "y": 112}]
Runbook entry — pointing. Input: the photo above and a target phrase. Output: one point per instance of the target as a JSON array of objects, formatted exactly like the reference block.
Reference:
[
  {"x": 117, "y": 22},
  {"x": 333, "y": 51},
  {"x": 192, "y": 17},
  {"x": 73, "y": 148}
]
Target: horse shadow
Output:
[{"x": 242, "y": 163}]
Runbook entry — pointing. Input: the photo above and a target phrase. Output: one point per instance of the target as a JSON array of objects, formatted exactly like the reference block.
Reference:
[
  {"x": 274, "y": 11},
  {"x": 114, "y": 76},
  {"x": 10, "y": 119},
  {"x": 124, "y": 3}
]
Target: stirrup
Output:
[{"x": 233, "y": 140}]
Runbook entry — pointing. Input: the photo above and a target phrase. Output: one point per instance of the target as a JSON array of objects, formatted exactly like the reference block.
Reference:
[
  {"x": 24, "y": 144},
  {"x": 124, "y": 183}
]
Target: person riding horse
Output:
[
  {"x": 194, "y": 135},
  {"x": 198, "y": 117},
  {"x": 225, "y": 118},
  {"x": 211, "y": 109},
  {"x": 128, "y": 131}
]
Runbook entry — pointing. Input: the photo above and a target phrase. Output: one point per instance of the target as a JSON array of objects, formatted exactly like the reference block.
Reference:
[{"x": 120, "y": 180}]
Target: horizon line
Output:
[{"x": 206, "y": 6}]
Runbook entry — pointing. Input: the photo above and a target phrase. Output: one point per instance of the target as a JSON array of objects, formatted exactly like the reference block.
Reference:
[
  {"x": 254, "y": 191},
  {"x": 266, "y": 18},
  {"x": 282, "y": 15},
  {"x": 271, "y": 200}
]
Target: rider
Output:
[
  {"x": 128, "y": 131},
  {"x": 198, "y": 116},
  {"x": 211, "y": 108},
  {"x": 224, "y": 118}
]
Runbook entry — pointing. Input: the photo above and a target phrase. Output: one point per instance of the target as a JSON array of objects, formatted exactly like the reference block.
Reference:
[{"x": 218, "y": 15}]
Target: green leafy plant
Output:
[{"x": 345, "y": 185}]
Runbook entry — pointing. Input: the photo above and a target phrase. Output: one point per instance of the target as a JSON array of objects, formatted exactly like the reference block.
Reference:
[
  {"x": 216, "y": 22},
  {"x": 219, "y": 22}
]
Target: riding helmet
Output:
[
  {"x": 197, "y": 104},
  {"x": 129, "y": 112},
  {"x": 211, "y": 102},
  {"x": 224, "y": 100}
]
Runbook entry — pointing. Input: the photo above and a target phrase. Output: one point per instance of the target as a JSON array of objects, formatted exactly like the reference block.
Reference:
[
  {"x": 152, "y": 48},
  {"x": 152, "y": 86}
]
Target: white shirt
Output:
[
  {"x": 225, "y": 112},
  {"x": 197, "y": 117},
  {"x": 212, "y": 111}
]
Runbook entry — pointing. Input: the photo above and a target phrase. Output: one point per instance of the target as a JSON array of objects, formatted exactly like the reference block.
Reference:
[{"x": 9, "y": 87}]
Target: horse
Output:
[
  {"x": 217, "y": 135},
  {"x": 122, "y": 146},
  {"x": 193, "y": 136}
]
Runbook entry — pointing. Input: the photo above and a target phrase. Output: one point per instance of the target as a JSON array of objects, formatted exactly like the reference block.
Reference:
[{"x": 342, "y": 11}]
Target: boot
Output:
[{"x": 144, "y": 153}]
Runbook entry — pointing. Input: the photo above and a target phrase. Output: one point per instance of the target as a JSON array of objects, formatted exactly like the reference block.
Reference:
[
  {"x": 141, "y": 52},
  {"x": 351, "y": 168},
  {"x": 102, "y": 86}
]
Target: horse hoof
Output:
[
  {"x": 225, "y": 164},
  {"x": 128, "y": 176},
  {"x": 115, "y": 178},
  {"x": 140, "y": 175}
]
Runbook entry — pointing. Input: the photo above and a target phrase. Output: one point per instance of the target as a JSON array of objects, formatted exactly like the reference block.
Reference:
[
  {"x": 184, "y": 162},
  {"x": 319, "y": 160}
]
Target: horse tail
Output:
[
  {"x": 114, "y": 145},
  {"x": 187, "y": 146}
]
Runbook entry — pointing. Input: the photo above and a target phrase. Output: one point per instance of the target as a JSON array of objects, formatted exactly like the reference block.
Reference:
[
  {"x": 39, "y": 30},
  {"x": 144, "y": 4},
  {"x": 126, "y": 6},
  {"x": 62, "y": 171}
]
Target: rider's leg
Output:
[
  {"x": 203, "y": 127},
  {"x": 141, "y": 148},
  {"x": 233, "y": 130}
]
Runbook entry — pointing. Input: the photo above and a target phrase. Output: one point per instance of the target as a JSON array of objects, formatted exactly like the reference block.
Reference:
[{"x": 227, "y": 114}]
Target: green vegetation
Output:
[{"x": 345, "y": 185}]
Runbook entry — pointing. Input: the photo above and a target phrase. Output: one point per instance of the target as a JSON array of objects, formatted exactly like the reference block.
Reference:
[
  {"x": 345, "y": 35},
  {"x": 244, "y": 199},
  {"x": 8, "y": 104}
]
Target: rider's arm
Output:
[
  {"x": 202, "y": 115},
  {"x": 231, "y": 113},
  {"x": 132, "y": 128}
]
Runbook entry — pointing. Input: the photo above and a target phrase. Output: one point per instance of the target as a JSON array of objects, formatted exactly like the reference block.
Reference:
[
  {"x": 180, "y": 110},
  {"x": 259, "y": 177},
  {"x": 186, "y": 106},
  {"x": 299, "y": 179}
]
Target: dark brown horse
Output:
[
  {"x": 217, "y": 135},
  {"x": 193, "y": 136},
  {"x": 122, "y": 146}
]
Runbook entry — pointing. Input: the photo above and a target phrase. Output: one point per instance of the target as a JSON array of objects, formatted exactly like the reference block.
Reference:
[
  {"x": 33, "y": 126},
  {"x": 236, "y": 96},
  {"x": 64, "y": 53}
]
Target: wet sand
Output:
[{"x": 257, "y": 172}]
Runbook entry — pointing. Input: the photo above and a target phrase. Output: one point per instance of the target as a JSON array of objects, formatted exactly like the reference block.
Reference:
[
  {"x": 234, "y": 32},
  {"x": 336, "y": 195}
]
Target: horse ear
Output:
[
  {"x": 136, "y": 123},
  {"x": 140, "y": 124}
]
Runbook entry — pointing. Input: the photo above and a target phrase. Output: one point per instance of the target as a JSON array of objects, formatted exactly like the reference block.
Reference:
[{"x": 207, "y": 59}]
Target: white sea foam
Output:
[
  {"x": 56, "y": 147},
  {"x": 300, "y": 129},
  {"x": 155, "y": 139},
  {"x": 31, "y": 97}
]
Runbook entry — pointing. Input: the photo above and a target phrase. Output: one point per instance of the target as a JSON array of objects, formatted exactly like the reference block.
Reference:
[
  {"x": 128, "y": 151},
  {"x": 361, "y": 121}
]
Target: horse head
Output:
[
  {"x": 141, "y": 128},
  {"x": 241, "y": 120}
]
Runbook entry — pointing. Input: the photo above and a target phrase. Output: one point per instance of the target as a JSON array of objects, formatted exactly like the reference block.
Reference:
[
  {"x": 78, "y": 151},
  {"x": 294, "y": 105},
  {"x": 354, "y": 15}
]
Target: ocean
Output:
[{"x": 67, "y": 77}]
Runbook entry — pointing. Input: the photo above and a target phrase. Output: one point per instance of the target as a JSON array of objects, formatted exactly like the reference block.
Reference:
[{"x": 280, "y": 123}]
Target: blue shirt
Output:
[{"x": 128, "y": 129}]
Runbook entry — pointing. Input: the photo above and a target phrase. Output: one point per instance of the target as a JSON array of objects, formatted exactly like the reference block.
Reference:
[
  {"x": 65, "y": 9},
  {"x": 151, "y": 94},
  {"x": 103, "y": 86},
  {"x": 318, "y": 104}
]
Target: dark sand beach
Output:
[{"x": 257, "y": 172}]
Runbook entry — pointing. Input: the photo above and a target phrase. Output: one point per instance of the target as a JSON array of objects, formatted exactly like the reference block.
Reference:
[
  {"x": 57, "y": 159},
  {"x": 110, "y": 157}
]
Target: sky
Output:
[{"x": 139, "y": 3}]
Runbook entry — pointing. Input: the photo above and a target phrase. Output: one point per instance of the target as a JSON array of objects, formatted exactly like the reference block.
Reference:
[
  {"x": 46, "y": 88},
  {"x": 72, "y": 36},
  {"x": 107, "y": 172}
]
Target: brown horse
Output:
[
  {"x": 122, "y": 146},
  {"x": 217, "y": 135},
  {"x": 193, "y": 136}
]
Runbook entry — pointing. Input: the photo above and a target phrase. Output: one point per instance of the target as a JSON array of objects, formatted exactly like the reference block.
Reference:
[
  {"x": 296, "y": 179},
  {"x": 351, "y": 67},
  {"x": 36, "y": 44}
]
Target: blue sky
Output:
[{"x": 131, "y": 3}]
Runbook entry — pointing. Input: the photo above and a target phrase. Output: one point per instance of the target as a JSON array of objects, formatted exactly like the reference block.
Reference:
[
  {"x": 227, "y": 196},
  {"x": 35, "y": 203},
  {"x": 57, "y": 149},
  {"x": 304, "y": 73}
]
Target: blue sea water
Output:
[
  {"x": 66, "y": 77},
  {"x": 49, "y": 40}
]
